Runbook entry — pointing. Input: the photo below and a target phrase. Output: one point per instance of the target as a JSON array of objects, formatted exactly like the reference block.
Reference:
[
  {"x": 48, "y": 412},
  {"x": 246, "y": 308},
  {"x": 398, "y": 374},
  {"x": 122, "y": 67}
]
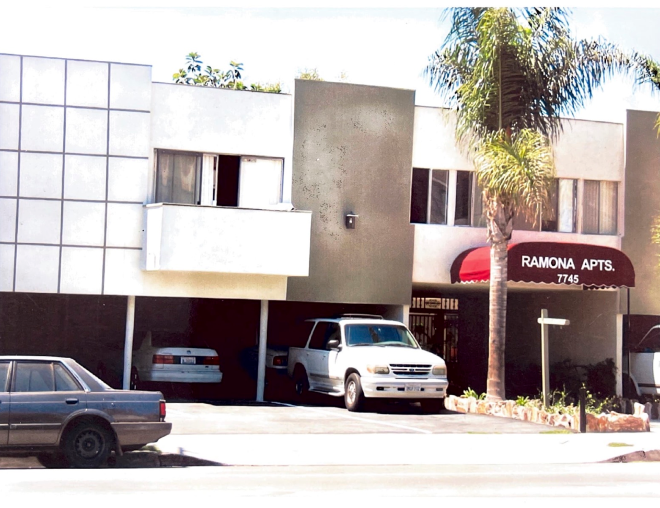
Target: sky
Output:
[{"x": 375, "y": 46}]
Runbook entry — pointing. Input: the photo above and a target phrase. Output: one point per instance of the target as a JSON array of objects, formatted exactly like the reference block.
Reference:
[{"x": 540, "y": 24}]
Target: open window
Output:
[{"x": 218, "y": 180}]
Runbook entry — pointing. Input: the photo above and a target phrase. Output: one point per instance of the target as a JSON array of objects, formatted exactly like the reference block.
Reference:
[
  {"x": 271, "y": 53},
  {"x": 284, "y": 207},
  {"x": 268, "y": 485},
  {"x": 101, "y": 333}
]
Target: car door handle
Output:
[{"x": 71, "y": 401}]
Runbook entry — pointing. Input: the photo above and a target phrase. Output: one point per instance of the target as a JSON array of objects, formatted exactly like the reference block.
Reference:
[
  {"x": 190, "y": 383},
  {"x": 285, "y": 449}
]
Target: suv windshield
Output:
[{"x": 378, "y": 335}]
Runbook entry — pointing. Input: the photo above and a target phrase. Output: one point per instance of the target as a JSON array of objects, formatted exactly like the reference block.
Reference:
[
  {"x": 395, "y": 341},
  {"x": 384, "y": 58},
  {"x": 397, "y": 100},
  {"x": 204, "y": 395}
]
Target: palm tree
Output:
[{"x": 510, "y": 74}]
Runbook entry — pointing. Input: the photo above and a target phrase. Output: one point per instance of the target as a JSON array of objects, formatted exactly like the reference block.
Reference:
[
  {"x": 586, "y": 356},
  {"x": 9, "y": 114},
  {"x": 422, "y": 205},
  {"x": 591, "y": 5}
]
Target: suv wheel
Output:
[
  {"x": 301, "y": 383},
  {"x": 353, "y": 395}
]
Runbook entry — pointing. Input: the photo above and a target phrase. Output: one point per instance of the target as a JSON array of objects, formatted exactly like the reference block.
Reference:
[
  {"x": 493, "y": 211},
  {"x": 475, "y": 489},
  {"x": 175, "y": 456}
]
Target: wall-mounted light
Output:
[{"x": 351, "y": 220}]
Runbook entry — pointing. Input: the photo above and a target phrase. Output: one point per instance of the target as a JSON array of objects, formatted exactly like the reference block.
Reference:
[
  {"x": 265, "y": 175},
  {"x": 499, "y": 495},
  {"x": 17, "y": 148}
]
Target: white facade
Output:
[
  {"x": 78, "y": 164},
  {"x": 585, "y": 151}
]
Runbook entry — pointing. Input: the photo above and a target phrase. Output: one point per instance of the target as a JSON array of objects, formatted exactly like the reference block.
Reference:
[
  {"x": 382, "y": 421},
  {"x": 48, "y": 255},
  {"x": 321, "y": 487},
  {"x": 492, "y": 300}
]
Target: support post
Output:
[
  {"x": 545, "y": 321},
  {"x": 583, "y": 410},
  {"x": 263, "y": 338},
  {"x": 545, "y": 357},
  {"x": 128, "y": 341}
]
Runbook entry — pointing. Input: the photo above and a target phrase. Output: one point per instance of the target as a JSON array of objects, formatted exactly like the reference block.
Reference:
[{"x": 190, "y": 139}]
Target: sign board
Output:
[{"x": 551, "y": 263}]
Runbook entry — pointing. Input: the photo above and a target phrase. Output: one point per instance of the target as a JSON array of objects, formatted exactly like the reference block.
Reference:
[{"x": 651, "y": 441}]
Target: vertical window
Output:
[
  {"x": 439, "y": 196},
  {"x": 463, "y": 198},
  {"x": 419, "y": 196},
  {"x": 178, "y": 178},
  {"x": 428, "y": 199},
  {"x": 260, "y": 183},
  {"x": 560, "y": 216},
  {"x": 599, "y": 212},
  {"x": 479, "y": 219},
  {"x": 34, "y": 377}
]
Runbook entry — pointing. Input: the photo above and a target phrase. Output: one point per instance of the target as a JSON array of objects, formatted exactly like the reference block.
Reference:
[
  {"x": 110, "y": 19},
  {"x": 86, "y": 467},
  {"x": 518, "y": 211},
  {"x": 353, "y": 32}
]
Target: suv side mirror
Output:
[{"x": 333, "y": 344}]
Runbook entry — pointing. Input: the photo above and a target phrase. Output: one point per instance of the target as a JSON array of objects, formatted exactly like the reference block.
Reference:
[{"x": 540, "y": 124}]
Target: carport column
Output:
[
  {"x": 128, "y": 342},
  {"x": 263, "y": 337}
]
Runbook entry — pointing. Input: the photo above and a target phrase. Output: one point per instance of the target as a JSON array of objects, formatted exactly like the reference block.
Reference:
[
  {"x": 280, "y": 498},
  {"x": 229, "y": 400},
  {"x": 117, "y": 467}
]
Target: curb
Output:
[
  {"x": 154, "y": 459},
  {"x": 638, "y": 456}
]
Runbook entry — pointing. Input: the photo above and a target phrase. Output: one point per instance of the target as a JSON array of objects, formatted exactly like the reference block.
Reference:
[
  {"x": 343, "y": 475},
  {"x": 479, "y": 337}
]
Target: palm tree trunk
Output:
[{"x": 497, "y": 319}]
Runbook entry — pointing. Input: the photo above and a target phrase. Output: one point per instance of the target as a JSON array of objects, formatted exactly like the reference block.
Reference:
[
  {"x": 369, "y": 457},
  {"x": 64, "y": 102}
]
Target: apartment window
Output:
[
  {"x": 469, "y": 209},
  {"x": 561, "y": 214},
  {"x": 600, "y": 207},
  {"x": 218, "y": 180},
  {"x": 428, "y": 203},
  {"x": 178, "y": 178}
]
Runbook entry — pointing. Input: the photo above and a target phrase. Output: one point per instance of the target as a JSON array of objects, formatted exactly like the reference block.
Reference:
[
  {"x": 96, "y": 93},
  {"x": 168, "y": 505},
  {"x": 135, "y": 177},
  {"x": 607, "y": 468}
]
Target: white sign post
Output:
[{"x": 545, "y": 321}]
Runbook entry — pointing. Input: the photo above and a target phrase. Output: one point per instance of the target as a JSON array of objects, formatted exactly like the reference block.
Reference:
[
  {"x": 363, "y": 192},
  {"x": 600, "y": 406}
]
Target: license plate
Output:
[
  {"x": 413, "y": 388},
  {"x": 188, "y": 360}
]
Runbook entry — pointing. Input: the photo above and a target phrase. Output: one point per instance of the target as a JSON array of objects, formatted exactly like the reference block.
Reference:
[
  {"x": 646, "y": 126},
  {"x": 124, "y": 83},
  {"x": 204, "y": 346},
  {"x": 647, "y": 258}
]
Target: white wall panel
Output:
[
  {"x": 10, "y": 84},
  {"x": 590, "y": 150},
  {"x": 39, "y": 221},
  {"x": 129, "y": 133},
  {"x": 83, "y": 224},
  {"x": 43, "y": 80},
  {"x": 42, "y": 129},
  {"x": 124, "y": 225},
  {"x": 87, "y": 84},
  {"x": 41, "y": 175},
  {"x": 7, "y": 267},
  {"x": 37, "y": 268},
  {"x": 7, "y": 220},
  {"x": 82, "y": 270},
  {"x": 8, "y": 173},
  {"x": 84, "y": 177},
  {"x": 130, "y": 87},
  {"x": 127, "y": 179},
  {"x": 86, "y": 131},
  {"x": 9, "y": 122},
  {"x": 123, "y": 276}
]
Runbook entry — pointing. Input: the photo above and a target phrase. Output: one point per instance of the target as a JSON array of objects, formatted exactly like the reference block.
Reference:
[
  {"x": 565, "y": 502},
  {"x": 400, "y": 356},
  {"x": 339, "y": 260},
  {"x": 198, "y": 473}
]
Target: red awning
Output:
[{"x": 550, "y": 263}]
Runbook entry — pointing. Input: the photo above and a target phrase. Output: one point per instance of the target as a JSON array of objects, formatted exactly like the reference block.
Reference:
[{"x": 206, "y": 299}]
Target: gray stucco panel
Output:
[{"x": 353, "y": 153}]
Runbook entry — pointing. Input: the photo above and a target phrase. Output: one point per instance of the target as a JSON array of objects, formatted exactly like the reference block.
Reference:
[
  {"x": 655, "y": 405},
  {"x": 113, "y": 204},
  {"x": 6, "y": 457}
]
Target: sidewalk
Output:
[{"x": 368, "y": 449}]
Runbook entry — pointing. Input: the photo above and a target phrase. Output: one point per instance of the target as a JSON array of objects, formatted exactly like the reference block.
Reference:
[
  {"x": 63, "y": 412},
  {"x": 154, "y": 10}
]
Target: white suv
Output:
[{"x": 360, "y": 357}]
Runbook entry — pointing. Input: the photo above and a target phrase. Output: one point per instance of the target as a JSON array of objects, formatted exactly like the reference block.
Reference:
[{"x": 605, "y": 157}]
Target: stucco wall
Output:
[
  {"x": 220, "y": 121},
  {"x": 352, "y": 153},
  {"x": 642, "y": 204}
]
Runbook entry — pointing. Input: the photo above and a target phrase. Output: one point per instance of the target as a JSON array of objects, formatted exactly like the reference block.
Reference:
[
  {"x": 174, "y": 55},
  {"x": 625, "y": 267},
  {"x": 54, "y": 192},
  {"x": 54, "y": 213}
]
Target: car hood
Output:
[{"x": 392, "y": 354}]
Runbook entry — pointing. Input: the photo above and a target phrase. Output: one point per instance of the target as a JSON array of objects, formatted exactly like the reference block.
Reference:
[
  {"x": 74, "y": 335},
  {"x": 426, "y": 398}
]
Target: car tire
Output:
[
  {"x": 87, "y": 445},
  {"x": 301, "y": 383},
  {"x": 433, "y": 406},
  {"x": 135, "y": 379},
  {"x": 353, "y": 394},
  {"x": 52, "y": 460}
]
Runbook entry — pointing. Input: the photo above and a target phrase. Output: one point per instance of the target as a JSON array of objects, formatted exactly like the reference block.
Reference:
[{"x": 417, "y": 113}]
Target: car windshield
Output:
[{"x": 378, "y": 335}]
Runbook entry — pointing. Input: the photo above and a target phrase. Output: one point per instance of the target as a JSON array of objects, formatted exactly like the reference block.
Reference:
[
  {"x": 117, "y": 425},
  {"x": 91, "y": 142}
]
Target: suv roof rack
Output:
[{"x": 361, "y": 316}]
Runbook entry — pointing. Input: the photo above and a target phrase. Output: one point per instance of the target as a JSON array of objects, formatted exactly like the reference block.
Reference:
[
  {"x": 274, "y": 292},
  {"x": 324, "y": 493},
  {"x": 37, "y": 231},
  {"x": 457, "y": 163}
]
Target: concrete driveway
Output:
[{"x": 285, "y": 418}]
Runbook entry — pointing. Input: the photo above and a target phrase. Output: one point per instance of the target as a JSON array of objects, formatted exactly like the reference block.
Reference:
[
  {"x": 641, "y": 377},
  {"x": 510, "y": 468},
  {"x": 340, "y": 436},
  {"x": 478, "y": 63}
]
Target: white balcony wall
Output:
[
  {"x": 437, "y": 246},
  {"x": 220, "y": 121},
  {"x": 187, "y": 238}
]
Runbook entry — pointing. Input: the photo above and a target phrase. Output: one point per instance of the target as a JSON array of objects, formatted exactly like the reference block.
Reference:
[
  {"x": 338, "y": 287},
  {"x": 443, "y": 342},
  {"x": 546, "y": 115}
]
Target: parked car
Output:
[
  {"x": 169, "y": 357},
  {"x": 359, "y": 357},
  {"x": 277, "y": 358},
  {"x": 56, "y": 410}
]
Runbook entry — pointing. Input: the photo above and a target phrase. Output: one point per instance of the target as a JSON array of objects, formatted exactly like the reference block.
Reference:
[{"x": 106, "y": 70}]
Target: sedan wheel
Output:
[{"x": 87, "y": 445}]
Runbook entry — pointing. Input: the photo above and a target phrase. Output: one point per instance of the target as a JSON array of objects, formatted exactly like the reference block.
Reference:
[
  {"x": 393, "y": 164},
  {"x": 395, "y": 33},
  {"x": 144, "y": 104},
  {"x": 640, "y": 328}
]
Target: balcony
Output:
[{"x": 188, "y": 238}]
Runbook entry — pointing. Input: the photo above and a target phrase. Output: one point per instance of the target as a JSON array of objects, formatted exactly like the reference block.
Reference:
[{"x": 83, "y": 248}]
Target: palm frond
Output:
[{"x": 516, "y": 171}]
